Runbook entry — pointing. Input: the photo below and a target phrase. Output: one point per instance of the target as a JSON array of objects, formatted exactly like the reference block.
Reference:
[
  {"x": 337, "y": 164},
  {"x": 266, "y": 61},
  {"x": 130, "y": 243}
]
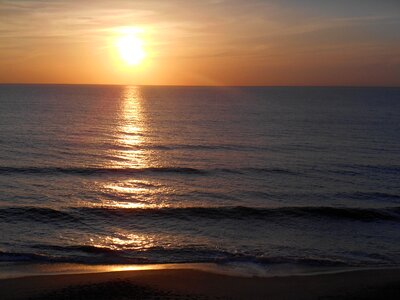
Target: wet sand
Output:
[{"x": 196, "y": 284}]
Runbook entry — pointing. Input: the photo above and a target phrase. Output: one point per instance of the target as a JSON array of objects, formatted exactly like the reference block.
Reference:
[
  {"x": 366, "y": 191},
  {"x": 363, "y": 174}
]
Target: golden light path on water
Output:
[
  {"x": 131, "y": 129},
  {"x": 124, "y": 241},
  {"x": 131, "y": 193},
  {"x": 130, "y": 139}
]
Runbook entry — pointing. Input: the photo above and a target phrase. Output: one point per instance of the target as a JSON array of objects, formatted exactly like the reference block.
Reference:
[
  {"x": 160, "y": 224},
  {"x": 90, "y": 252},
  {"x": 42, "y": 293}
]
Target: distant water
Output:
[{"x": 265, "y": 176}]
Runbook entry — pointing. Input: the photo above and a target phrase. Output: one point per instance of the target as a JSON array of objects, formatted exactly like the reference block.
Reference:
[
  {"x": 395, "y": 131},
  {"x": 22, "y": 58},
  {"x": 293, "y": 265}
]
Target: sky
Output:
[{"x": 209, "y": 42}]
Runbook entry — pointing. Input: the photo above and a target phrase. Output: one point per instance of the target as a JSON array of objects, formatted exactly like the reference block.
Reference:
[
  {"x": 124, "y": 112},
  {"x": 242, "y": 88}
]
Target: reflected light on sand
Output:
[{"x": 24, "y": 270}]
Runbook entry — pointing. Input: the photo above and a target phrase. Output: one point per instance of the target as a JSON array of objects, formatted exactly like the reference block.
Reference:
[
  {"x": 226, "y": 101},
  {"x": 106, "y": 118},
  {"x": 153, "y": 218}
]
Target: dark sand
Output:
[{"x": 195, "y": 284}]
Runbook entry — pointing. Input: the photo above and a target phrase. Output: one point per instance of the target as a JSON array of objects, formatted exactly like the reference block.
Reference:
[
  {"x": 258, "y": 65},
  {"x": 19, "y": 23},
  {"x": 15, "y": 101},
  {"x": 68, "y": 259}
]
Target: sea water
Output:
[{"x": 266, "y": 176}]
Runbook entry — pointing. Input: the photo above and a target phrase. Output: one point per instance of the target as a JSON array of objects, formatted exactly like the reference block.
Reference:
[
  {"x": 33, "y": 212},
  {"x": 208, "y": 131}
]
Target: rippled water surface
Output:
[{"x": 124, "y": 174}]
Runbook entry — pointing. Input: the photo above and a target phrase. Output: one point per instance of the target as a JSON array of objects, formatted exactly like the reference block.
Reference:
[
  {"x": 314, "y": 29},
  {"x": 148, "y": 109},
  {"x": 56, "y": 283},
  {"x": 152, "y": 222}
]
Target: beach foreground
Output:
[{"x": 196, "y": 284}]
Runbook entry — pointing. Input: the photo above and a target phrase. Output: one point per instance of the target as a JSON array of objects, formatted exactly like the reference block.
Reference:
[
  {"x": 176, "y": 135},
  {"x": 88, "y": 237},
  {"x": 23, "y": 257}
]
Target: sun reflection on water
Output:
[
  {"x": 131, "y": 131},
  {"x": 124, "y": 241},
  {"x": 133, "y": 186},
  {"x": 130, "y": 191},
  {"x": 130, "y": 136}
]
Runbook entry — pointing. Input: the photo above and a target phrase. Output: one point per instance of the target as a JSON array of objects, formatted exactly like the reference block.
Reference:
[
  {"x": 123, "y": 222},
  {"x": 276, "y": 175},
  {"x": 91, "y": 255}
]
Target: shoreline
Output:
[
  {"x": 14, "y": 270},
  {"x": 187, "y": 282}
]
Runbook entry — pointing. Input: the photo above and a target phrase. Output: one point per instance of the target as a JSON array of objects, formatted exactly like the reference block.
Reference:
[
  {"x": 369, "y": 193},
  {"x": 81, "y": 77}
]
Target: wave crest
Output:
[{"x": 281, "y": 214}]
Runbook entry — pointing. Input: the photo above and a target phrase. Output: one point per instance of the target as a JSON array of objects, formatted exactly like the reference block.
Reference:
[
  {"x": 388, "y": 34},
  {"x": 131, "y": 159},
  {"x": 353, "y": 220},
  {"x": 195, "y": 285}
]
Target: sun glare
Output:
[{"x": 130, "y": 48}]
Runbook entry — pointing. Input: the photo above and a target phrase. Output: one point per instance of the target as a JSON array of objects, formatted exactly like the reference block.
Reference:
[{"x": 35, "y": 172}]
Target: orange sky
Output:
[{"x": 212, "y": 42}]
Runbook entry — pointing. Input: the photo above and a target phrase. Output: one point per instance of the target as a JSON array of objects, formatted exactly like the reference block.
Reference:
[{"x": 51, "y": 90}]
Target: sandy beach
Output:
[{"x": 196, "y": 284}]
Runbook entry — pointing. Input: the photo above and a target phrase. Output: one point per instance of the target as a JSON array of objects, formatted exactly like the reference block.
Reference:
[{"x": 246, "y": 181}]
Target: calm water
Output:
[{"x": 266, "y": 176}]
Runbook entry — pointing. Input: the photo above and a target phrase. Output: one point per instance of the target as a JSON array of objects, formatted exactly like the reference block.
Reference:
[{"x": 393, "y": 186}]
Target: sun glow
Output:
[{"x": 130, "y": 47}]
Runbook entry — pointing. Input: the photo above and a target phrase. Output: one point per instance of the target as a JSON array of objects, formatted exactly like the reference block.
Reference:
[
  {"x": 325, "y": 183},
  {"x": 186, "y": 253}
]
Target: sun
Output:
[{"x": 130, "y": 48}]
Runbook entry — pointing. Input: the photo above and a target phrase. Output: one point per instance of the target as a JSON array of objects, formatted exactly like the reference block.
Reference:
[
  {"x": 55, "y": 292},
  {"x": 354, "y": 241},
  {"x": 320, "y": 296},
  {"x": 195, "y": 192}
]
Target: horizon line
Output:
[{"x": 200, "y": 85}]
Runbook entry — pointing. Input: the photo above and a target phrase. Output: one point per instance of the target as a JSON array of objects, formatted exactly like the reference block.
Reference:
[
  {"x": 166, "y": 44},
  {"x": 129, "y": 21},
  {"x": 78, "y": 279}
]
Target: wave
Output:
[
  {"x": 36, "y": 214},
  {"x": 89, "y": 254},
  {"x": 87, "y": 171},
  {"x": 16, "y": 256},
  {"x": 170, "y": 147},
  {"x": 271, "y": 170},
  {"x": 98, "y": 171},
  {"x": 282, "y": 214},
  {"x": 369, "y": 195},
  {"x": 245, "y": 213},
  {"x": 376, "y": 169},
  {"x": 42, "y": 215}
]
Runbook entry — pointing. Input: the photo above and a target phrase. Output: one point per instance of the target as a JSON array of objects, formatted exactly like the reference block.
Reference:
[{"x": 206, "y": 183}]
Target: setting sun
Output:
[{"x": 130, "y": 48}]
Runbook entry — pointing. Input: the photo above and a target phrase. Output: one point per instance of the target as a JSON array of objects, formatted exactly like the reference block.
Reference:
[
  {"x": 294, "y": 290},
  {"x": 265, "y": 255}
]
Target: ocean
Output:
[{"x": 265, "y": 177}]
